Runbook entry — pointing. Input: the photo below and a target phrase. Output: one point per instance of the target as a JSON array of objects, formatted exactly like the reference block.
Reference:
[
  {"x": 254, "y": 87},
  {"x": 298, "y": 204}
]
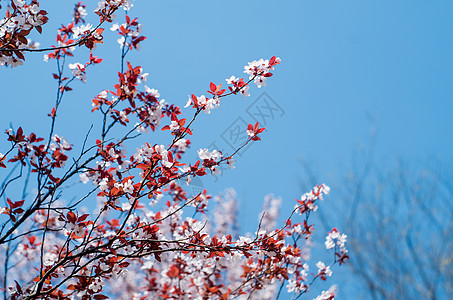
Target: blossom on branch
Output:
[{"x": 149, "y": 237}]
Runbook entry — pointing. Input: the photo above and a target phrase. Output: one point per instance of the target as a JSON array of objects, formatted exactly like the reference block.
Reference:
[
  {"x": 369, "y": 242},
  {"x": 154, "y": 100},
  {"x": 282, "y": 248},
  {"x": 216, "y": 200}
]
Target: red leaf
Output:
[
  {"x": 71, "y": 217},
  {"x": 156, "y": 255},
  {"x": 53, "y": 113},
  {"x": 18, "y": 203},
  {"x": 31, "y": 239},
  {"x": 213, "y": 87},
  {"x": 18, "y": 211},
  {"x": 82, "y": 217},
  {"x": 272, "y": 60},
  {"x": 194, "y": 99},
  {"x": 22, "y": 39}
]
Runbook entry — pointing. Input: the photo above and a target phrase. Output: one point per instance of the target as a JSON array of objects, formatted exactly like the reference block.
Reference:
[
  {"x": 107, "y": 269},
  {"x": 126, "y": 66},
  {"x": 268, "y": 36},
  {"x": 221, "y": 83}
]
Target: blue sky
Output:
[{"x": 350, "y": 70}]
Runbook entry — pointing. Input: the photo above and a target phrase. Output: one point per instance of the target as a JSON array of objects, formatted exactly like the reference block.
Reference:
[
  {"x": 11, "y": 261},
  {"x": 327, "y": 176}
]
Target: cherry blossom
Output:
[
  {"x": 253, "y": 131},
  {"x": 79, "y": 71},
  {"x": 206, "y": 154},
  {"x": 150, "y": 236},
  {"x": 327, "y": 295},
  {"x": 14, "y": 28}
]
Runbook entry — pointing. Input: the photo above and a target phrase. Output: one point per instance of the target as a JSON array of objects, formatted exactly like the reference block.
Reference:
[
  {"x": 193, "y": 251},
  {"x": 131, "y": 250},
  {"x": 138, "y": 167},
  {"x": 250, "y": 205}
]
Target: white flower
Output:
[
  {"x": 160, "y": 149},
  {"x": 327, "y": 295},
  {"x": 79, "y": 30},
  {"x": 103, "y": 185},
  {"x": 231, "y": 79},
  {"x": 211, "y": 104},
  {"x": 205, "y": 154},
  {"x": 128, "y": 187},
  {"x": 126, "y": 4},
  {"x": 335, "y": 238},
  {"x": 174, "y": 126},
  {"x": 293, "y": 286},
  {"x": 153, "y": 92},
  {"x": 78, "y": 70},
  {"x": 182, "y": 145},
  {"x": 260, "y": 81},
  {"x": 201, "y": 100},
  {"x": 184, "y": 169},
  {"x": 16, "y": 62},
  {"x": 96, "y": 285},
  {"x": 82, "y": 11},
  {"x": 144, "y": 77},
  {"x": 101, "y": 5},
  {"x": 329, "y": 243},
  {"x": 245, "y": 91},
  {"x": 34, "y": 9},
  {"x": 19, "y": 2},
  {"x": 123, "y": 116},
  {"x": 118, "y": 185},
  {"x": 166, "y": 163},
  {"x": 188, "y": 180},
  {"x": 115, "y": 27},
  {"x": 103, "y": 266},
  {"x": 243, "y": 241},
  {"x": 323, "y": 269},
  {"x": 189, "y": 102},
  {"x": 84, "y": 178},
  {"x": 121, "y": 41},
  {"x": 50, "y": 258},
  {"x": 78, "y": 230},
  {"x": 341, "y": 241},
  {"x": 102, "y": 95},
  {"x": 216, "y": 170},
  {"x": 231, "y": 163}
]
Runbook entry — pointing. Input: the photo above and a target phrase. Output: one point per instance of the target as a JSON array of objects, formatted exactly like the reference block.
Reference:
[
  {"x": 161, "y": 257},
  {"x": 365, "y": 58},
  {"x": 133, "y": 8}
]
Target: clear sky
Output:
[{"x": 350, "y": 70}]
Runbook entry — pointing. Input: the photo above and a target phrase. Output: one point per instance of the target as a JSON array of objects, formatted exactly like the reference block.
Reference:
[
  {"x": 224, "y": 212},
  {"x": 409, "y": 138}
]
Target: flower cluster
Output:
[
  {"x": 14, "y": 29},
  {"x": 79, "y": 13},
  {"x": 337, "y": 240},
  {"x": 206, "y": 104},
  {"x": 260, "y": 70},
  {"x": 145, "y": 105},
  {"x": 308, "y": 201},
  {"x": 106, "y": 5},
  {"x": 210, "y": 159},
  {"x": 328, "y": 295},
  {"x": 130, "y": 33},
  {"x": 253, "y": 131},
  {"x": 78, "y": 70}
]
